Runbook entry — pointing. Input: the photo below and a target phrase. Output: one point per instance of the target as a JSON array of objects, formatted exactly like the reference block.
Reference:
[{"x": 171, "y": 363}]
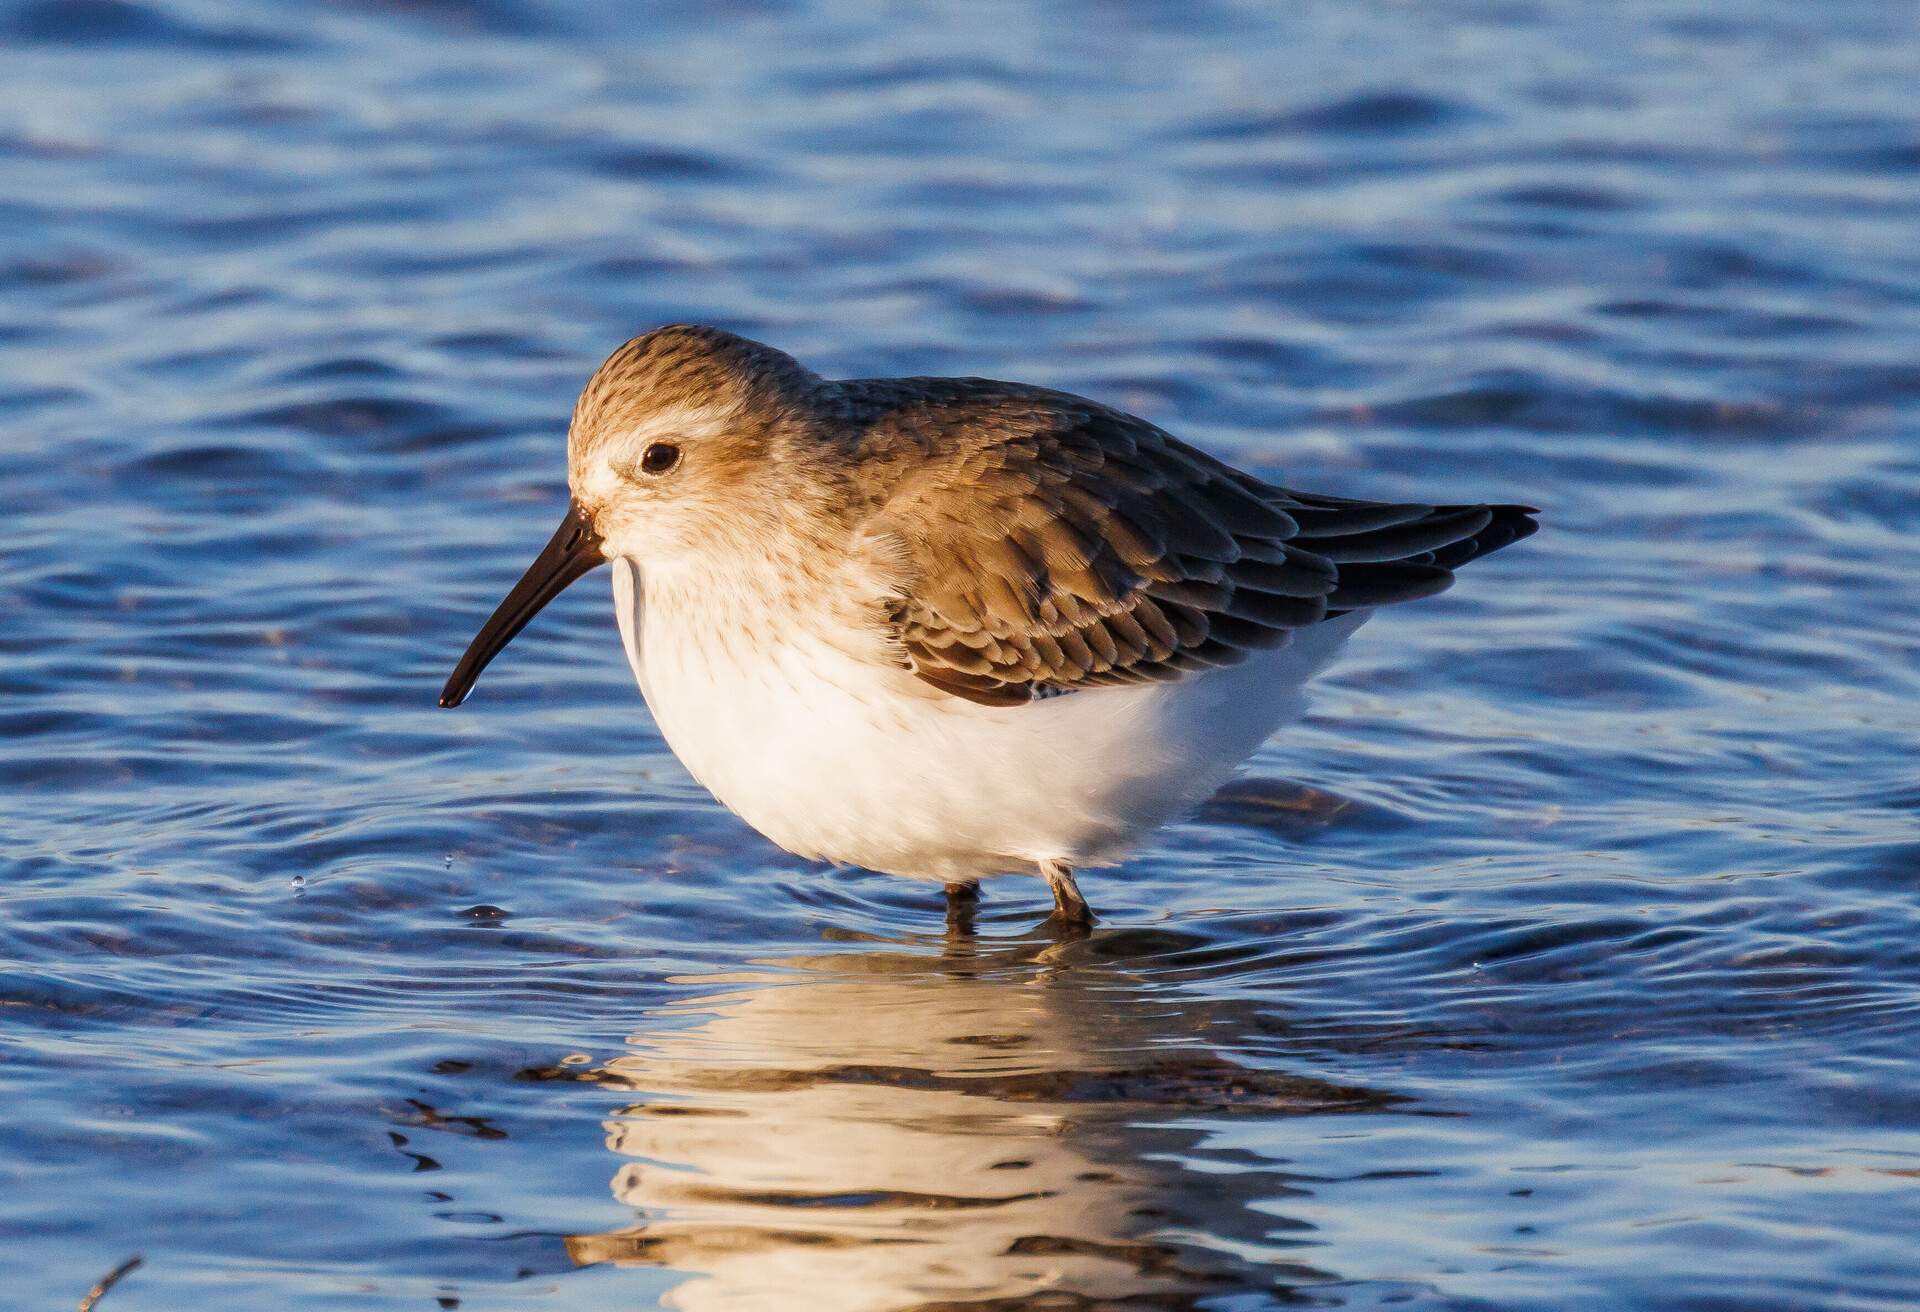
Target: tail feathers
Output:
[
  {"x": 1386, "y": 554},
  {"x": 1506, "y": 525}
]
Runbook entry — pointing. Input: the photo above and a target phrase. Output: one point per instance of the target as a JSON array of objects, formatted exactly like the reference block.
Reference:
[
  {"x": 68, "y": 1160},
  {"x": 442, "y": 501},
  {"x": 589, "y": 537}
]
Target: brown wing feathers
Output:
[{"x": 1061, "y": 545}]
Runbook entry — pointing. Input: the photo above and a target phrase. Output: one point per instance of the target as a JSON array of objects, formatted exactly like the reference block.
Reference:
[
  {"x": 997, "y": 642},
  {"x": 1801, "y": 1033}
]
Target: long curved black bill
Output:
[{"x": 573, "y": 550}]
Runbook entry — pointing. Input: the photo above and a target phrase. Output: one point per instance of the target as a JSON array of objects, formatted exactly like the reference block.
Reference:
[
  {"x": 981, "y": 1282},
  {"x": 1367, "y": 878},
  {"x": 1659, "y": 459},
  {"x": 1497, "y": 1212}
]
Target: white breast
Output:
[{"x": 817, "y": 741}]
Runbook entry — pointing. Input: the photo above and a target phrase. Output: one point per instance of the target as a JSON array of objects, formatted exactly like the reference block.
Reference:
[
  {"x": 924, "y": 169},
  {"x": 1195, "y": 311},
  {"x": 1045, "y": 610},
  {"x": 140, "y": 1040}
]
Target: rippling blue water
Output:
[{"x": 1564, "y": 959}]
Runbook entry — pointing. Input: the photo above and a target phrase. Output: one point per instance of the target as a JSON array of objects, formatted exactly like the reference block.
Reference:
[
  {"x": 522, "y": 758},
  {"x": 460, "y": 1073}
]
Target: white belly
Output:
[{"x": 845, "y": 759}]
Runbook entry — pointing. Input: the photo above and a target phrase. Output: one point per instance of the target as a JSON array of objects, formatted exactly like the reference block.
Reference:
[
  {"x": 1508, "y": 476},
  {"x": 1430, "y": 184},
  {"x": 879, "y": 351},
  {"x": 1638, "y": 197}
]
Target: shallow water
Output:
[{"x": 1564, "y": 959}]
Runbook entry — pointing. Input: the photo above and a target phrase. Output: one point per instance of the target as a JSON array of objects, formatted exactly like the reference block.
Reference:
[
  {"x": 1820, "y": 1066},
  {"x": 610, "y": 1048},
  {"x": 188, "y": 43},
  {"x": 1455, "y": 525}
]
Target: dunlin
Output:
[{"x": 949, "y": 627}]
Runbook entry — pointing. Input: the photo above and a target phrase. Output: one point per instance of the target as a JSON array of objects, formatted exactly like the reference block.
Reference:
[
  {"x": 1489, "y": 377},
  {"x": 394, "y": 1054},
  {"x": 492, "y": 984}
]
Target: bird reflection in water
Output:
[{"x": 993, "y": 1127}]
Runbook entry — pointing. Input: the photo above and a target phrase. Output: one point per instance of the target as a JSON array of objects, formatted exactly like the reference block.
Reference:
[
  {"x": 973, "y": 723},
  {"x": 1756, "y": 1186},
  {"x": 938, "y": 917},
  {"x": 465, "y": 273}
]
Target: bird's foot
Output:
[
  {"x": 963, "y": 900},
  {"x": 1072, "y": 917}
]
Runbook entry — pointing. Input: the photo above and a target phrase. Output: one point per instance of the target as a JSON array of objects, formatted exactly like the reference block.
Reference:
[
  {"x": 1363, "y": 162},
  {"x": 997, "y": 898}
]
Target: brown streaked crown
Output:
[{"x": 687, "y": 366}]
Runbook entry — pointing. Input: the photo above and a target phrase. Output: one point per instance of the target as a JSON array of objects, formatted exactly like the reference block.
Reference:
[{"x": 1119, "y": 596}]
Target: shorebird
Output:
[{"x": 951, "y": 628}]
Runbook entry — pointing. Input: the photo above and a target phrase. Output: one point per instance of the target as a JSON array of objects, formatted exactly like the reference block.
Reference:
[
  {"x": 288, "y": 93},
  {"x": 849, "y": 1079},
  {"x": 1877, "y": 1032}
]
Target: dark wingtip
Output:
[
  {"x": 1510, "y": 525},
  {"x": 1519, "y": 520}
]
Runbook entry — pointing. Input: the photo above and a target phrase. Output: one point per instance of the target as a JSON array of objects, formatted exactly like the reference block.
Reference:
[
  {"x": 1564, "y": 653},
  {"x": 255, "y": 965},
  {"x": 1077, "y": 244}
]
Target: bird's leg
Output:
[
  {"x": 1070, "y": 910},
  {"x": 962, "y": 899}
]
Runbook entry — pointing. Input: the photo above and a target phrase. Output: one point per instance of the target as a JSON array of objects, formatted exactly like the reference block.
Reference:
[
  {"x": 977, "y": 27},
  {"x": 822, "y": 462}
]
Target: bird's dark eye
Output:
[{"x": 659, "y": 457}]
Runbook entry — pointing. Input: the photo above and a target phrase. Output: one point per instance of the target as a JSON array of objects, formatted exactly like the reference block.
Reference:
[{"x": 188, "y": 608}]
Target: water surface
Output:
[{"x": 1564, "y": 959}]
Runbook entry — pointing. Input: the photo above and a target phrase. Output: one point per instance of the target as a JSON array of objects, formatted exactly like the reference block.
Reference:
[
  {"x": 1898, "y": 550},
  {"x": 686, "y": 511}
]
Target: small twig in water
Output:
[{"x": 108, "y": 1281}]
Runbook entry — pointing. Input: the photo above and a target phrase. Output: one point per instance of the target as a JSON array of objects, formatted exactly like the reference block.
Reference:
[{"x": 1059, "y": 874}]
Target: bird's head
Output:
[{"x": 686, "y": 442}]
